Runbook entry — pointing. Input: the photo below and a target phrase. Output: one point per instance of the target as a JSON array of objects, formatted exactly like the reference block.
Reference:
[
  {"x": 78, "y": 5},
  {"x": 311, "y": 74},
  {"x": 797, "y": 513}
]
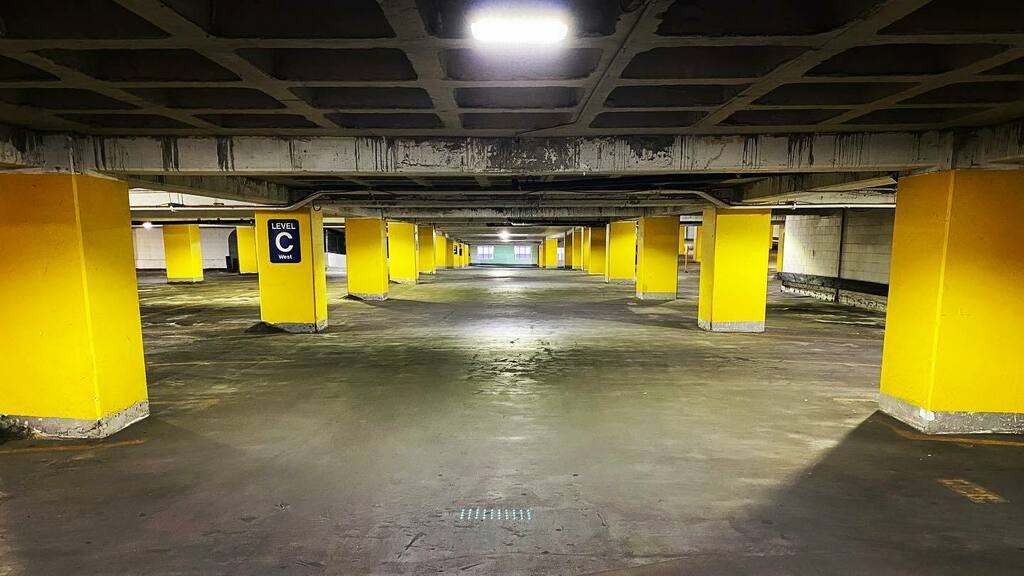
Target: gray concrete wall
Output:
[
  {"x": 812, "y": 250},
  {"x": 149, "y": 247}
]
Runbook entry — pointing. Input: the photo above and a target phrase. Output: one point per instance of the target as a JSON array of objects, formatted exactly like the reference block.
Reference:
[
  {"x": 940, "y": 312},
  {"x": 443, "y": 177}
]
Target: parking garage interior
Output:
[{"x": 624, "y": 287}]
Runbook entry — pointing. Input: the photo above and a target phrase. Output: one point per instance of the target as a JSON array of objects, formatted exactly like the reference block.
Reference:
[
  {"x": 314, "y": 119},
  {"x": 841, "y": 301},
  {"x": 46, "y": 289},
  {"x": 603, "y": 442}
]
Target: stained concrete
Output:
[{"x": 639, "y": 443}]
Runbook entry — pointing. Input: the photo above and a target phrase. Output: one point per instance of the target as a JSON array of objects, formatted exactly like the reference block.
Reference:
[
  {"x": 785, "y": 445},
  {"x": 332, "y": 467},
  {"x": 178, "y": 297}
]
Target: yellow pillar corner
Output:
[
  {"x": 621, "y": 253},
  {"x": 403, "y": 258},
  {"x": 245, "y": 237},
  {"x": 367, "y": 258},
  {"x": 733, "y": 275},
  {"x": 951, "y": 356},
  {"x": 73, "y": 359},
  {"x": 425, "y": 249},
  {"x": 657, "y": 261},
  {"x": 183, "y": 253},
  {"x": 550, "y": 252},
  {"x": 598, "y": 241},
  {"x": 293, "y": 269},
  {"x": 585, "y": 260}
]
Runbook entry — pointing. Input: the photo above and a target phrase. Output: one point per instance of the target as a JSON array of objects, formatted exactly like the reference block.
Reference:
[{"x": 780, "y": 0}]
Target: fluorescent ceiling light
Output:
[
  {"x": 504, "y": 235},
  {"x": 517, "y": 28},
  {"x": 147, "y": 225}
]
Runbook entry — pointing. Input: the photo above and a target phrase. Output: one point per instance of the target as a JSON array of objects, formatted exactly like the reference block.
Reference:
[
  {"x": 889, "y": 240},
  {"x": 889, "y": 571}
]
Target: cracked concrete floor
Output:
[{"x": 635, "y": 442}]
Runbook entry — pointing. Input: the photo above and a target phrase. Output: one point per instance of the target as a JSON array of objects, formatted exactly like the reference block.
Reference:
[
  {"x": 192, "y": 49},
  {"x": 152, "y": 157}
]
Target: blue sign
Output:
[{"x": 284, "y": 241}]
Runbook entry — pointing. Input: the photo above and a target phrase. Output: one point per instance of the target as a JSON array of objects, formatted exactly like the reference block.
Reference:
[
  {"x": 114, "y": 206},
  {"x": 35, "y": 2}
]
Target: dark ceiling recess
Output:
[
  {"x": 904, "y": 59},
  {"x": 745, "y": 18},
  {"x": 337, "y": 65},
  {"x": 914, "y": 115},
  {"x": 972, "y": 93},
  {"x": 326, "y": 98},
  {"x": 257, "y": 120},
  {"x": 949, "y": 17},
  {"x": 286, "y": 19},
  {"x": 13, "y": 70},
  {"x": 124, "y": 120},
  {"x": 787, "y": 117},
  {"x": 462, "y": 64},
  {"x": 507, "y": 97},
  {"x": 516, "y": 120},
  {"x": 199, "y": 98},
  {"x": 79, "y": 19},
  {"x": 399, "y": 120},
  {"x": 1014, "y": 67},
  {"x": 449, "y": 18},
  {"x": 709, "y": 61},
  {"x": 832, "y": 93},
  {"x": 62, "y": 99},
  {"x": 122, "y": 65},
  {"x": 646, "y": 119},
  {"x": 672, "y": 96}
]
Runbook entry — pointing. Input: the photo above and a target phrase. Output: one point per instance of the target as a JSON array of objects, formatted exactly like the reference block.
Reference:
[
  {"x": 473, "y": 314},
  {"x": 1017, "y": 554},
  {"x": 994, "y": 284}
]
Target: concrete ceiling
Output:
[{"x": 406, "y": 67}]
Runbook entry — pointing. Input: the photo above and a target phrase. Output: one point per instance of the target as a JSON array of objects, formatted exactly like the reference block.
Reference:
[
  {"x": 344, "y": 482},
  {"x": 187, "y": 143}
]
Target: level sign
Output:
[{"x": 284, "y": 241}]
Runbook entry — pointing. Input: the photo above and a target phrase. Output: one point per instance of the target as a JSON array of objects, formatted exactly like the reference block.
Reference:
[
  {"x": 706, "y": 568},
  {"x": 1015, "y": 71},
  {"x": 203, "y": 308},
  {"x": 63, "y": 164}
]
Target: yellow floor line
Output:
[
  {"x": 71, "y": 447},
  {"x": 953, "y": 439}
]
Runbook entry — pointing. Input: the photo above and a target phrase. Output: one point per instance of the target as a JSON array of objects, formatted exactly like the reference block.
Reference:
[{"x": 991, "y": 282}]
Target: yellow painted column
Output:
[
  {"x": 293, "y": 269},
  {"x": 449, "y": 253},
  {"x": 541, "y": 254},
  {"x": 733, "y": 279},
  {"x": 367, "y": 258},
  {"x": 698, "y": 243},
  {"x": 657, "y": 260},
  {"x": 682, "y": 240},
  {"x": 951, "y": 361},
  {"x": 426, "y": 261},
  {"x": 73, "y": 365},
  {"x": 567, "y": 250},
  {"x": 246, "y": 240},
  {"x": 586, "y": 249},
  {"x": 577, "y": 248},
  {"x": 781, "y": 250},
  {"x": 403, "y": 258},
  {"x": 598, "y": 248},
  {"x": 440, "y": 252},
  {"x": 620, "y": 255},
  {"x": 551, "y": 252},
  {"x": 466, "y": 253},
  {"x": 183, "y": 253}
]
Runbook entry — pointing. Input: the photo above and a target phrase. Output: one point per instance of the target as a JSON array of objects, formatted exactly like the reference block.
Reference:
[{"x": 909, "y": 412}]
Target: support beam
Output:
[
  {"x": 293, "y": 270},
  {"x": 733, "y": 273},
  {"x": 780, "y": 252},
  {"x": 458, "y": 156},
  {"x": 951, "y": 359},
  {"x": 72, "y": 335},
  {"x": 245, "y": 237},
  {"x": 621, "y": 253},
  {"x": 657, "y": 262},
  {"x": 449, "y": 254},
  {"x": 403, "y": 258},
  {"x": 425, "y": 249},
  {"x": 698, "y": 244},
  {"x": 183, "y": 253},
  {"x": 598, "y": 246},
  {"x": 366, "y": 258}
]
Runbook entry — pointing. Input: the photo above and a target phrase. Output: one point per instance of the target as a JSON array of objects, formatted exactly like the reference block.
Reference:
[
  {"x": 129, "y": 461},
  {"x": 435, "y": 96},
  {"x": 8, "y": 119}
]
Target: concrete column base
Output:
[
  {"x": 730, "y": 326},
  {"x": 184, "y": 280},
  {"x": 656, "y": 295},
  {"x": 373, "y": 297},
  {"x": 74, "y": 427},
  {"x": 300, "y": 327},
  {"x": 932, "y": 422}
]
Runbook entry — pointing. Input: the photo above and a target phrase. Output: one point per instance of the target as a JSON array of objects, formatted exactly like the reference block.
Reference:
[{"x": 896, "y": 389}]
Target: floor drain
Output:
[{"x": 496, "y": 514}]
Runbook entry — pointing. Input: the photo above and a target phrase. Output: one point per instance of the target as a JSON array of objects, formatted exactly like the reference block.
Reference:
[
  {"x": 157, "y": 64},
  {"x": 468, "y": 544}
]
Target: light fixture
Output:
[
  {"x": 504, "y": 235},
  {"x": 147, "y": 225},
  {"x": 519, "y": 28}
]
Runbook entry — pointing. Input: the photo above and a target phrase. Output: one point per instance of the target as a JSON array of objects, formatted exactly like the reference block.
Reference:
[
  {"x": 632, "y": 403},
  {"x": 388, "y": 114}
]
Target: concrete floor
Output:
[{"x": 636, "y": 442}]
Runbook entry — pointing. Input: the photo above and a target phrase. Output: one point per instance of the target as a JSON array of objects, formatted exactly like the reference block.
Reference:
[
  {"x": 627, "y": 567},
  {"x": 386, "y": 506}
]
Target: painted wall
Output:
[
  {"x": 149, "y": 247},
  {"x": 503, "y": 254}
]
